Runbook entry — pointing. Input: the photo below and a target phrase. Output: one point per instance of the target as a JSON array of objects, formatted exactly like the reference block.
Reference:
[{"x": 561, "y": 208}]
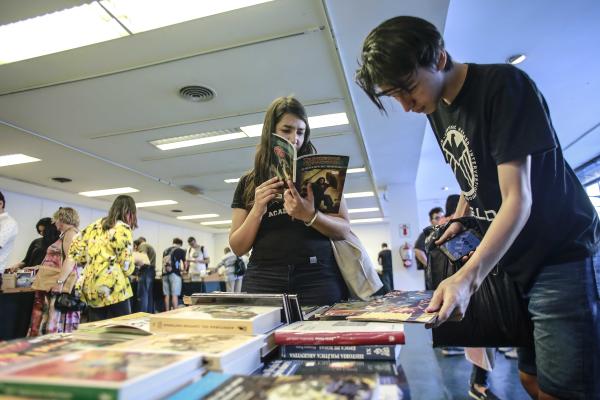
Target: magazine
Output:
[
  {"x": 399, "y": 306},
  {"x": 325, "y": 173}
]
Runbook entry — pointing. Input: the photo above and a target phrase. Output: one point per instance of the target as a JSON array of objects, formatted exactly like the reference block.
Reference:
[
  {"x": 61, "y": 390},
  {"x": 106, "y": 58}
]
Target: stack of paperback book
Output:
[{"x": 118, "y": 329}]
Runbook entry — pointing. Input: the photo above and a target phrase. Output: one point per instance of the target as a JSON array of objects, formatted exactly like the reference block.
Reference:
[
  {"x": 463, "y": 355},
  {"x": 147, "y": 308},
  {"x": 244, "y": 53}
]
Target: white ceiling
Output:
[{"x": 89, "y": 113}]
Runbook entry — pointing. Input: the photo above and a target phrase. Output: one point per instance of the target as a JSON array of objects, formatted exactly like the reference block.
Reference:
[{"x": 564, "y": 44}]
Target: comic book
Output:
[
  {"x": 398, "y": 306},
  {"x": 325, "y": 173}
]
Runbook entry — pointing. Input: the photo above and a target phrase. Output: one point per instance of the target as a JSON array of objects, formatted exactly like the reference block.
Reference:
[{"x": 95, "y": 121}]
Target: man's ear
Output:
[{"x": 443, "y": 57}]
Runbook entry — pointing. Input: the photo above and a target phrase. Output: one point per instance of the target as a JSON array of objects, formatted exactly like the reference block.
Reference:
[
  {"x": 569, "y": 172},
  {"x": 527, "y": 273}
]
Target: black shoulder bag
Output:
[
  {"x": 68, "y": 302},
  {"x": 497, "y": 315}
]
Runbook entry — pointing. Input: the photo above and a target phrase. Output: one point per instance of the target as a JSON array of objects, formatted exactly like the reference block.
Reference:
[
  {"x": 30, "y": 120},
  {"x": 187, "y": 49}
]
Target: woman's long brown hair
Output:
[
  {"x": 262, "y": 160},
  {"x": 122, "y": 206}
]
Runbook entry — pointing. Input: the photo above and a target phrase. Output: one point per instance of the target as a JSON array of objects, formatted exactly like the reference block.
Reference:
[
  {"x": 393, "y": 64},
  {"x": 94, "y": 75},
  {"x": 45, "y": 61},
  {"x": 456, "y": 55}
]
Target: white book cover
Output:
[{"x": 218, "y": 318}]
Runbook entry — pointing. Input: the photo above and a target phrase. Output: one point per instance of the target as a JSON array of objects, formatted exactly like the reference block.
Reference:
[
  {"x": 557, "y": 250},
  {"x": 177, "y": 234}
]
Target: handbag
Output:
[
  {"x": 356, "y": 267},
  {"x": 497, "y": 314},
  {"x": 68, "y": 302}
]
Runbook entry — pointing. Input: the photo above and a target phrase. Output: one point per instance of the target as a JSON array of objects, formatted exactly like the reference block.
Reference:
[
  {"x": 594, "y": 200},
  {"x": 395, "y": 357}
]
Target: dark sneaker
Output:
[{"x": 487, "y": 395}]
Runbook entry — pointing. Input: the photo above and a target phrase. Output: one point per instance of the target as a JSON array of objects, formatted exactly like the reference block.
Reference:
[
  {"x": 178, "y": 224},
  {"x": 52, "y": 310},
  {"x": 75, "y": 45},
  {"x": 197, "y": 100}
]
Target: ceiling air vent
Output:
[
  {"x": 191, "y": 189},
  {"x": 197, "y": 93}
]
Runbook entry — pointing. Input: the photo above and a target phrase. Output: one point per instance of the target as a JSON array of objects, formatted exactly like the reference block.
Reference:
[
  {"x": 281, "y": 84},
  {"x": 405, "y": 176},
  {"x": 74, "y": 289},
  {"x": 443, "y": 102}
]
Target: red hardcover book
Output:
[{"x": 340, "y": 333}]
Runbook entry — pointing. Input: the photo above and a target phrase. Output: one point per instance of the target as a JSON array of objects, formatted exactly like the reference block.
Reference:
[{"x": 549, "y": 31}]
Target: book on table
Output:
[
  {"x": 120, "y": 328},
  {"x": 325, "y": 173},
  {"x": 218, "y": 318},
  {"x": 398, "y": 306},
  {"x": 19, "y": 351},
  {"x": 326, "y": 367},
  {"x": 383, "y": 352},
  {"x": 340, "y": 333},
  {"x": 343, "y": 310},
  {"x": 103, "y": 374},
  {"x": 234, "y": 354},
  {"x": 335, "y": 386}
]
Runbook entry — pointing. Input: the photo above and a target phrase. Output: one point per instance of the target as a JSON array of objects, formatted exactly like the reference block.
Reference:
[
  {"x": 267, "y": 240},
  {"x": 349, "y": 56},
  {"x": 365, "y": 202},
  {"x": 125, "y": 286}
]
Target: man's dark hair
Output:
[
  {"x": 451, "y": 203},
  {"x": 383, "y": 244},
  {"x": 394, "y": 51},
  {"x": 178, "y": 241},
  {"x": 2, "y": 200},
  {"x": 136, "y": 243},
  {"x": 191, "y": 239},
  {"x": 142, "y": 239},
  {"x": 435, "y": 210}
]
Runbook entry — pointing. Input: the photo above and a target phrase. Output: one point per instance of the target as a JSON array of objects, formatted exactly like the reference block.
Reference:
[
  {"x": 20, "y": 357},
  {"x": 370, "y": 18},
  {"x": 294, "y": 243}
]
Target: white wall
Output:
[
  {"x": 27, "y": 209},
  {"x": 371, "y": 236}
]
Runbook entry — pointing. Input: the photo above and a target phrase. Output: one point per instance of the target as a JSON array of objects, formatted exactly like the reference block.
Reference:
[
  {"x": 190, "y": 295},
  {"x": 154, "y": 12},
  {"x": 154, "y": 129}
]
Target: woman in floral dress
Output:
[{"x": 45, "y": 318}]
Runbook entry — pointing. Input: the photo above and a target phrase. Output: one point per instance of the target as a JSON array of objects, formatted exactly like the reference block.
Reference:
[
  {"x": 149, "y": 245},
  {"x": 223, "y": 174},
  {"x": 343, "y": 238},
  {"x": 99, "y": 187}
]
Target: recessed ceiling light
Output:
[
  {"x": 365, "y": 220},
  {"x": 198, "y": 139},
  {"x": 225, "y": 222},
  {"x": 14, "y": 159},
  {"x": 358, "y": 194},
  {"x": 318, "y": 121},
  {"x": 198, "y": 216},
  {"x": 356, "y": 170},
  {"x": 362, "y": 210},
  {"x": 516, "y": 59},
  {"x": 232, "y": 180},
  {"x": 155, "y": 203},
  {"x": 108, "y": 192}
]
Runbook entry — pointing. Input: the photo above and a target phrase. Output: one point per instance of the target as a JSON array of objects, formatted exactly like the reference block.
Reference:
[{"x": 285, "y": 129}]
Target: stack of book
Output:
[
  {"x": 102, "y": 374},
  {"x": 117, "y": 329}
]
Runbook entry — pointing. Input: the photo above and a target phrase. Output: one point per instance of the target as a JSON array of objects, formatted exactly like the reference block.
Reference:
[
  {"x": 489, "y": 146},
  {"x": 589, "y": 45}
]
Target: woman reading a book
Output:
[{"x": 289, "y": 238}]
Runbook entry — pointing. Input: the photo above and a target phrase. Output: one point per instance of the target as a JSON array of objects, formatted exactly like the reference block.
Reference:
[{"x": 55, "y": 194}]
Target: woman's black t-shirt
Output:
[
  {"x": 281, "y": 241},
  {"x": 499, "y": 116}
]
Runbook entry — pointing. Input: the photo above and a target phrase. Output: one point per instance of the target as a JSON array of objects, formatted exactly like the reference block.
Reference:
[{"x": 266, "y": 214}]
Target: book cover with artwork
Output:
[
  {"x": 19, "y": 351},
  {"x": 343, "y": 310},
  {"x": 221, "y": 352},
  {"x": 102, "y": 374},
  {"x": 325, "y": 173},
  {"x": 399, "y": 306},
  {"x": 335, "y": 386},
  {"x": 340, "y": 333},
  {"x": 218, "y": 318},
  {"x": 120, "y": 328}
]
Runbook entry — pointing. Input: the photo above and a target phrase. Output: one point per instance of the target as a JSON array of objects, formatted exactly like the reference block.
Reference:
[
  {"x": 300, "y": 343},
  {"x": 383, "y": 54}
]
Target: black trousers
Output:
[{"x": 112, "y": 311}]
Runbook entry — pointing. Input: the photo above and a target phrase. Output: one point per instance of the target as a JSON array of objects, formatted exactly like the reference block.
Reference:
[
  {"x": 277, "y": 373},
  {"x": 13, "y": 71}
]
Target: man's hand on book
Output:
[
  {"x": 296, "y": 206},
  {"x": 264, "y": 193}
]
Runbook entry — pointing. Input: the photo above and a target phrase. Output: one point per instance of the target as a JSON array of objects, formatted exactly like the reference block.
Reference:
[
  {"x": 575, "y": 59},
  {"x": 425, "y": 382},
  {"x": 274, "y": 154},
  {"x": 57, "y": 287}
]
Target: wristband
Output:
[
  {"x": 313, "y": 219},
  {"x": 60, "y": 282}
]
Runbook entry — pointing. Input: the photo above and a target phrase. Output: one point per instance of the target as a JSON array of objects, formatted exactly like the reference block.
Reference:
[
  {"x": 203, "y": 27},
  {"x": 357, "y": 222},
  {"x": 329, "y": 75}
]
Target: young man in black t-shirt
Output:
[
  {"x": 384, "y": 258},
  {"x": 494, "y": 129}
]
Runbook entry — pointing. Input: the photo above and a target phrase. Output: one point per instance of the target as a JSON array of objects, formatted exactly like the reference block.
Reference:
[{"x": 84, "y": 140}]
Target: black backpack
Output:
[{"x": 239, "y": 267}]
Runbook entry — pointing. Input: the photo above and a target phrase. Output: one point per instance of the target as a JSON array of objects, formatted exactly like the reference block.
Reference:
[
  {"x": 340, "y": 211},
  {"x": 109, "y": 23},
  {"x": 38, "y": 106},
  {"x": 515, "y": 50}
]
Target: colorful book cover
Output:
[
  {"x": 318, "y": 367},
  {"x": 338, "y": 386},
  {"x": 389, "y": 352},
  {"x": 343, "y": 310},
  {"x": 340, "y": 333},
  {"x": 399, "y": 306},
  {"x": 325, "y": 173},
  {"x": 18, "y": 351},
  {"x": 217, "y": 318},
  {"x": 99, "y": 374}
]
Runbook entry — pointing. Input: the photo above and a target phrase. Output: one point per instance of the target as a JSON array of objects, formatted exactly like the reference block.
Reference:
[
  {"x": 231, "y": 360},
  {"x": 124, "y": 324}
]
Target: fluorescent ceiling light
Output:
[
  {"x": 318, "y": 121},
  {"x": 358, "y": 194},
  {"x": 224, "y": 222},
  {"x": 108, "y": 192},
  {"x": 198, "y": 216},
  {"x": 361, "y": 210},
  {"x": 252, "y": 130},
  {"x": 144, "y": 15},
  {"x": 155, "y": 203},
  {"x": 232, "y": 180},
  {"x": 365, "y": 220},
  {"x": 356, "y": 170},
  {"x": 198, "y": 139},
  {"x": 14, "y": 159},
  {"x": 63, "y": 30},
  {"x": 322, "y": 121}
]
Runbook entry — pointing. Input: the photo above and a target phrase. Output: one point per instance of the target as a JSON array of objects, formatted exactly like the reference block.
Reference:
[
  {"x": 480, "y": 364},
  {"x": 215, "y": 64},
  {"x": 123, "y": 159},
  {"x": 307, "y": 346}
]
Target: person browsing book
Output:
[
  {"x": 289, "y": 238},
  {"x": 494, "y": 129}
]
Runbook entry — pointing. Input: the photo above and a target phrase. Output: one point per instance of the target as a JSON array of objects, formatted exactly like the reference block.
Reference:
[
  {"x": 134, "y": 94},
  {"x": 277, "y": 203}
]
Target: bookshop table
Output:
[{"x": 16, "y": 306}]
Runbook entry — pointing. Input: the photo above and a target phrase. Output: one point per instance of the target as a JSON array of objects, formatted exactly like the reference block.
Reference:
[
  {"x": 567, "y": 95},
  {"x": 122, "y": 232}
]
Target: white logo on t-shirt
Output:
[{"x": 455, "y": 146}]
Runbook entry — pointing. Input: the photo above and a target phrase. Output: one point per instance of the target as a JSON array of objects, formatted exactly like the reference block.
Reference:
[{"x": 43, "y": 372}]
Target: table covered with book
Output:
[{"x": 219, "y": 346}]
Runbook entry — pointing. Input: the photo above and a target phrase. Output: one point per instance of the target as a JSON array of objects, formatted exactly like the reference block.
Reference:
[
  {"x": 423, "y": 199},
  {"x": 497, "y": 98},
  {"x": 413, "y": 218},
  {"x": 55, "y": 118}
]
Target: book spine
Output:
[
  {"x": 196, "y": 326},
  {"x": 48, "y": 391},
  {"x": 338, "y": 338},
  {"x": 368, "y": 352}
]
